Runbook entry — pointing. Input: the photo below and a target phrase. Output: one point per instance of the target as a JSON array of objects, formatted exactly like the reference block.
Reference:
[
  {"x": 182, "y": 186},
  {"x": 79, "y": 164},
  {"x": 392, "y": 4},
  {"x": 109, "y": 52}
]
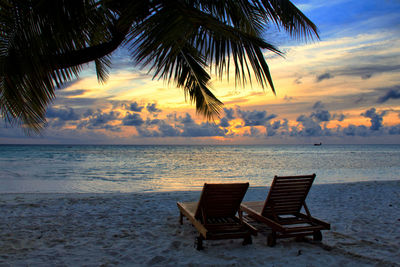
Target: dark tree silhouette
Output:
[{"x": 45, "y": 43}]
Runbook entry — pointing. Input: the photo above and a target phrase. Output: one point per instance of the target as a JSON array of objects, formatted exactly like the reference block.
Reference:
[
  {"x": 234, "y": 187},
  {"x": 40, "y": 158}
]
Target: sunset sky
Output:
[{"x": 344, "y": 88}]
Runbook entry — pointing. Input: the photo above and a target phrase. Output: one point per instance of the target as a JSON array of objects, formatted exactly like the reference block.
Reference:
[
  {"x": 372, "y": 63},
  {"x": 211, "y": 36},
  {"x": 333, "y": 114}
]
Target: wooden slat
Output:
[
  {"x": 221, "y": 199},
  {"x": 214, "y": 214},
  {"x": 286, "y": 197},
  {"x": 296, "y": 176},
  {"x": 293, "y": 182}
]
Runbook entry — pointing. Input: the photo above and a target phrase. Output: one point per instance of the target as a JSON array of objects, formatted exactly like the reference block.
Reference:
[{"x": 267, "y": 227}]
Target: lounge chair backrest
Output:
[
  {"x": 220, "y": 200},
  {"x": 287, "y": 194}
]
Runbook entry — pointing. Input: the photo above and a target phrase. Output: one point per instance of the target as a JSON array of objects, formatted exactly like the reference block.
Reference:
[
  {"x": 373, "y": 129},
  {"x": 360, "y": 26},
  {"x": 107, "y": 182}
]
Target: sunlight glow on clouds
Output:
[{"x": 344, "y": 88}]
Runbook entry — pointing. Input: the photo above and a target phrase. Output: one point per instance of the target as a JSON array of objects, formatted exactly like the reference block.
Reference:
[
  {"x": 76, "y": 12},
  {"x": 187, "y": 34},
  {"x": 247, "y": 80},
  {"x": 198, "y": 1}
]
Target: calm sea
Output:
[{"x": 57, "y": 168}]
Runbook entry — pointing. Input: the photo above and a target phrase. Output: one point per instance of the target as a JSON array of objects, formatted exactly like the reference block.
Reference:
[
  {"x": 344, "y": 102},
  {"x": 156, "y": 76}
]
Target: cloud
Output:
[
  {"x": 224, "y": 122},
  {"x": 391, "y": 94},
  {"x": 152, "y": 108},
  {"x": 58, "y": 117},
  {"x": 376, "y": 118},
  {"x": 163, "y": 130},
  {"x": 229, "y": 113},
  {"x": 298, "y": 80},
  {"x": 65, "y": 93},
  {"x": 167, "y": 130},
  {"x": 321, "y": 115},
  {"x": 135, "y": 107},
  {"x": 366, "y": 72},
  {"x": 132, "y": 120},
  {"x": 255, "y": 117},
  {"x": 68, "y": 84},
  {"x": 65, "y": 114},
  {"x": 192, "y": 129},
  {"x": 318, "y": 105},
  {"x": 394, "y": 130},
  {"x": 100, "y": 120},
  {"x": 187, "y": 119},
  {"x": 288, "y": 98},
  {"x": 88, "y": 113},
  {"x": 324, "y": 76},
  {"x": 353, "y": 130},
  {"x": 310, "y": 127},
  {"x": 273, "y": 128},
  {"x": 181, "y": 126},
  {"x": 204, "y": 129},
  {"x": 339, "y": 117},
  {"x": 254, "y": 132}
]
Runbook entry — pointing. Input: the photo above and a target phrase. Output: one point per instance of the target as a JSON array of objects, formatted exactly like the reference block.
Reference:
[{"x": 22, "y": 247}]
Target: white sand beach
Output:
[{"x": 143, "y": 229}]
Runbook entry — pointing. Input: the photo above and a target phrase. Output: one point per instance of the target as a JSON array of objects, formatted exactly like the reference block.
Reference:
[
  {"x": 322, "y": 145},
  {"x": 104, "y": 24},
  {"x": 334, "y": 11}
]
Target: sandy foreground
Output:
[{"x": 143, "y": 229}]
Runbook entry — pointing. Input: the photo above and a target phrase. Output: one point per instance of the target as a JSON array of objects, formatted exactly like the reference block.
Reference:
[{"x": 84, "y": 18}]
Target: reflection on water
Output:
[{"x": 160, "y": 168}]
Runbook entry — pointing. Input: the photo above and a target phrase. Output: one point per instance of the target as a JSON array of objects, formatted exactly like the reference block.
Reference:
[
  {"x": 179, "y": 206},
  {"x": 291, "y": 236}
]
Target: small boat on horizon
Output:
[{"x": 318, "y": 144}]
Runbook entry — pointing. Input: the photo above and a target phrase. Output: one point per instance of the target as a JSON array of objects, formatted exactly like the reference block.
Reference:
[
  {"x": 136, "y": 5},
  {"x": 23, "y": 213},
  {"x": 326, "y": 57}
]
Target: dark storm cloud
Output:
[
  {"x": 390, "y": 94},
  {"x": 324, "y": 76},
  {"x": 132, "y": 120}
]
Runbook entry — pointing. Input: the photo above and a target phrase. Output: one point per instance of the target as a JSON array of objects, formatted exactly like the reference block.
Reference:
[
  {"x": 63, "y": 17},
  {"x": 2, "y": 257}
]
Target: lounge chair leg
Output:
[
  {"x": 198, "y": 243},
  {"x": 317, "y": 236},
  {"x": 181, "y": 218},
  {"x": 247, "y": 240},
  {"x": 271, "y": 240}
]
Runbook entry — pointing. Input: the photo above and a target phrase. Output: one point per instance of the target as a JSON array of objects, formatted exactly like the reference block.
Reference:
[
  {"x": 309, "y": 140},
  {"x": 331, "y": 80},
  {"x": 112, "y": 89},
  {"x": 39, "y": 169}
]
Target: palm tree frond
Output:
[
  {"x": 285, "y": 14},
  {"x": 43, "y": 44},
  {"x": 102, "y": 68}
]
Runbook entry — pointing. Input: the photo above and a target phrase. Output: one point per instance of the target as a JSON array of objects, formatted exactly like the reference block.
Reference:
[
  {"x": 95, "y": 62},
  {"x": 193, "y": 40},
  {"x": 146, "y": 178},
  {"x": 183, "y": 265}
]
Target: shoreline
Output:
[
  {"x": 70, "y": 194},
  {"x": 75, "y": 229}
]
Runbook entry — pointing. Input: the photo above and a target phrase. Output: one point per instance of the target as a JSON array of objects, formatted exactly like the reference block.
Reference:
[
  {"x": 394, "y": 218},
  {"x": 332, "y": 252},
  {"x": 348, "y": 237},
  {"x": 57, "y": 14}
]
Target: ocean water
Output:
[{"x": 102, "y": 169}]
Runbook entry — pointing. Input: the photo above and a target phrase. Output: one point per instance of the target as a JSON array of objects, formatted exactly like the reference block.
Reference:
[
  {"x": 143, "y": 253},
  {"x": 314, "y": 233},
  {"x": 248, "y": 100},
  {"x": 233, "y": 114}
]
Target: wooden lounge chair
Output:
[
  {"x": 214, "y": 215},
  {"x": 281, "y": 210}
]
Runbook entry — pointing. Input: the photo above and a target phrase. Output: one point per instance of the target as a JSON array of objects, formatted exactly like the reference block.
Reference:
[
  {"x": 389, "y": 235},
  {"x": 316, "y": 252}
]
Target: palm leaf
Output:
[{"x": 43, "y": 44}]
